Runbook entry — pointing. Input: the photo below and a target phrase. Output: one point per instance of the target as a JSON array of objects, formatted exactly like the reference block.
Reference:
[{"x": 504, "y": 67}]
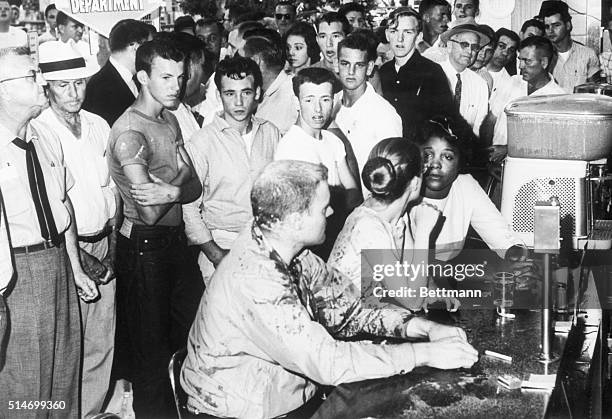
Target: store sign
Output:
[{"x": 102, "y": 15}]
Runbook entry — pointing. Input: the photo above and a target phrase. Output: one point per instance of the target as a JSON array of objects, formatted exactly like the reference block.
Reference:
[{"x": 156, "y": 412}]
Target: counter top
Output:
[{"x": 474, "y": 393}]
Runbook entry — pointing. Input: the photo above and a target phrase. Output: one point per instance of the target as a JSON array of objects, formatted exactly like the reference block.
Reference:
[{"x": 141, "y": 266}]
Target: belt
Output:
[
  {"x": 37, "y": 247},
  {"x": 97, "y": 237}
]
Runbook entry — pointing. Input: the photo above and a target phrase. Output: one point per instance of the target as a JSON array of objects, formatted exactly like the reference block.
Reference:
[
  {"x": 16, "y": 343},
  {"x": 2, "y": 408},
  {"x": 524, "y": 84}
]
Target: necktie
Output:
[
  {"x": 458, "y": 87},
  {"x": 39, "y": 192},
  {"x": 199, "y": 118}
]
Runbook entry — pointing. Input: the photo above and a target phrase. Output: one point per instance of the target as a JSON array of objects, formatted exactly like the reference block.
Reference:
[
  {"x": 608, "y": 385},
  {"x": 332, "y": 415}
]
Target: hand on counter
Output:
[
  {"x": 447, "y": 353},
  {"x": 420, "y": 327},
  {"x": 452, "y": 304},
  {"x": 442, "y": 331},
  {"x": 523, "y": 266}
]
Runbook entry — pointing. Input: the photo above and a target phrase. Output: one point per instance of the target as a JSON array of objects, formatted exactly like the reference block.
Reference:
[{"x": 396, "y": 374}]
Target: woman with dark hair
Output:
[
  {"x": 302, "y": 49},
  {"x": 393, "y": 175},
  {"x": 458, "y": 196}
]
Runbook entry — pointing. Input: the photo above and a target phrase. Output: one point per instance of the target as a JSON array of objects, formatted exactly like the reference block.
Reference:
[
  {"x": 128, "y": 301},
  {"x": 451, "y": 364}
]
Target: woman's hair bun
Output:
[{"x": 379, "y": 176}]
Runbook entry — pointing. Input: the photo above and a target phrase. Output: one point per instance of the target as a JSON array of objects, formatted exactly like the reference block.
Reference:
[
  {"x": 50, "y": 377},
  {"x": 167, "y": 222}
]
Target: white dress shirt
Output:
[
  {"x": 328, "y": 150},
  {"x": 518, "y": 88},
  {"x": 370, "y": 120},
  {"x": 125, "y": 74},
  {"x": 186, "y": 120},
  {"x": 211, "y": 105},
  {"x": 92, "y": 195},
  {"x": 20, "y": 209},
  {"x": 501, "y": 84},
  {"x": 474, "y": 94},
  {"x": 500, "y": 78}
]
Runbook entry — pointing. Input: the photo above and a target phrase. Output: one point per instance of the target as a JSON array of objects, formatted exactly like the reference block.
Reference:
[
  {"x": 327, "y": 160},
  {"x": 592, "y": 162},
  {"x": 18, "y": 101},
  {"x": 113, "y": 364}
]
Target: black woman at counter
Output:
[
  {"x": 264, "y": 338},
  {"x": 459, "y": 197}
]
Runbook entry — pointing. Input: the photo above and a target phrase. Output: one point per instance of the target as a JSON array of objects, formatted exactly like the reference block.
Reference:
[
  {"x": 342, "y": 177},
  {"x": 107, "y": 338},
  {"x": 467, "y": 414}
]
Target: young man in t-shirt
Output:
[
  {"x": 364, "y": 117},
  {"x": 158, "y": 285},
  {"x": 308, "y": 141}
]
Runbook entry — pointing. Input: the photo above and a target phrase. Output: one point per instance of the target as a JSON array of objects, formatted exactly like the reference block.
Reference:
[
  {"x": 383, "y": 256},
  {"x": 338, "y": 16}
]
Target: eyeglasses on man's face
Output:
[
  {"x": 283, "y": 16},
  {"x": 32, "y": 76},
  {"x": 467, "y": 45}
]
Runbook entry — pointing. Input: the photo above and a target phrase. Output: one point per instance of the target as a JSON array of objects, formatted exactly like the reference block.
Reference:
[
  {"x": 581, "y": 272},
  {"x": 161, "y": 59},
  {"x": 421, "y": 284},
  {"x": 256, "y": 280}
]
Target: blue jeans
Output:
[{"x": 159, "y": 288}]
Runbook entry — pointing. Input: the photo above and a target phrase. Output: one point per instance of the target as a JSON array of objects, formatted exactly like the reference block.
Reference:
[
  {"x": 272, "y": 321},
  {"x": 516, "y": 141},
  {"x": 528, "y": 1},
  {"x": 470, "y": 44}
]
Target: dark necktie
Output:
[
  {"x": 458, "y": 87},
  {"x": 199, "y": 118},
  {"x": 39, "y": 192}
]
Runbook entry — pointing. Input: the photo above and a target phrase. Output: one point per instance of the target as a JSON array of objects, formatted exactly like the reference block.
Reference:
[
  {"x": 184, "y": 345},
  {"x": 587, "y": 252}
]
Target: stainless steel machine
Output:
[{"x": 557, "y": 147}]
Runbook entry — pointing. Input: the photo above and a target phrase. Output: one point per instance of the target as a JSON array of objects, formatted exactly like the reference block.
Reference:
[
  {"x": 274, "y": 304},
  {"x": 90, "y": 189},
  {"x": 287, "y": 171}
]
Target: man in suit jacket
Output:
[{"x": 112, "y": 89}]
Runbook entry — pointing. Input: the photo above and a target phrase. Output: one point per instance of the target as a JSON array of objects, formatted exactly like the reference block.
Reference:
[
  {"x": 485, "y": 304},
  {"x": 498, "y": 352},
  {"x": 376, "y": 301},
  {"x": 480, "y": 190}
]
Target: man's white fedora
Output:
[{"x": 61, "y": 61}]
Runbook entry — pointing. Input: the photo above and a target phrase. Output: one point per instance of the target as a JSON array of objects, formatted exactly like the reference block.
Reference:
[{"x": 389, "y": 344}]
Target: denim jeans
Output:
[{"x": 159, "y": 288}]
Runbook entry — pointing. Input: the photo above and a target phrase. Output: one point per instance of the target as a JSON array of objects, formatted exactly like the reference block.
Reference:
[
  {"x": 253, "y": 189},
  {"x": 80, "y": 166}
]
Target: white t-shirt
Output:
[
  {"x": 328, "y": 150},
  {"x": 248, "y": 140},
  {"x": 564, "y": 55},
  {"x": 370, "y": 120}
]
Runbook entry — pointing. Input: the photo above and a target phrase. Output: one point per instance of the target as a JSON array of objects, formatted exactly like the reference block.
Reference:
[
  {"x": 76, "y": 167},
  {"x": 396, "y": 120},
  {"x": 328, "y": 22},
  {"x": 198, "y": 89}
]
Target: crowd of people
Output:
[{"x": 214, "y": 187}]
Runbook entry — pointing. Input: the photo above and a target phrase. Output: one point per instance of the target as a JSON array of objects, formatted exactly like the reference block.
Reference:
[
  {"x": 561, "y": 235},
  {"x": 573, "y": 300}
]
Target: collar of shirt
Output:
[
  {"x": 7, "y": 137},
  {"x": 362, "y": 101},
  {"x": 500, "y": 75},
  {"x": 221, "y": 124},
  {"x": 450, "y": 69},
  {"x": 277, "y": 83},
  {"x": 398, "y": 67},
  {"x": 293, "y": 270},
  {"x": 572, "y": 49},
  {"x": 422, "y": 43},
  {"x": 50, "y": 118},
  {"x": 125, "y": 74},
  {"x": 298, "y": 131}
]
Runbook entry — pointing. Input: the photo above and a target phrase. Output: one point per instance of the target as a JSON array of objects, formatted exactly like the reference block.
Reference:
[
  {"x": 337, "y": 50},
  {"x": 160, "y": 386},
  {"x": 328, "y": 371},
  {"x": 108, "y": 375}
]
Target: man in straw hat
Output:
[
  {"x": 43, "y": 346},
  {"x": 470, "y": 91},
  {"x": 84, "y": 137}
]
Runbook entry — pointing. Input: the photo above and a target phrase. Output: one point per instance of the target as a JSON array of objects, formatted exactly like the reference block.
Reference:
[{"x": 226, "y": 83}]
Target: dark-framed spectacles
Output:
[
  {"x": 283, "y": 16},
  {"x": 466, "y": 45},
  {"x": 31, "y": 74}
]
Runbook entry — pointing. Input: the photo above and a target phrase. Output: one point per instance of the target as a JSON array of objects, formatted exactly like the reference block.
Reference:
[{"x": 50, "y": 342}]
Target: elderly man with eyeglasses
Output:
[
  {"x": 43, "y": 347},
  {"x": 470, "y": 91}
]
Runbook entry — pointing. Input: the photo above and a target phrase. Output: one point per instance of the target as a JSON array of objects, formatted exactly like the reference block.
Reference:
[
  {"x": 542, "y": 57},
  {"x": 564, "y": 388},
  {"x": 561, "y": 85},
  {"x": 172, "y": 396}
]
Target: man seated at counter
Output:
[{"x": 265, "y": 334}]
